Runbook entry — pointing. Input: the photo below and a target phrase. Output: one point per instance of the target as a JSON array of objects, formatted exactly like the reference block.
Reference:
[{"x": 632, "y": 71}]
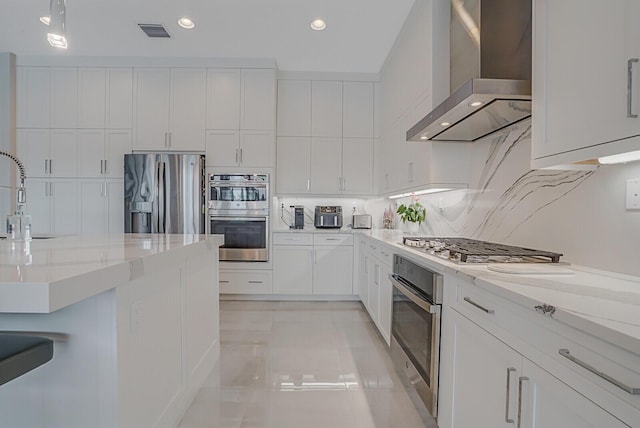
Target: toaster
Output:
[
  {"x": 361, "y": 221},
  {"x": 328, "y": 217}
]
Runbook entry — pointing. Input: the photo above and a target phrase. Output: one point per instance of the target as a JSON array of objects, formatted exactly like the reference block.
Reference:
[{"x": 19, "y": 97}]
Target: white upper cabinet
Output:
[
  {"x": 101, "y": 153},
  {"x": 239, "y": 148},
  {"x": 64, "y": 97},
  {"x": 169, "y": 109},
  {"x": 120, "y": 98},
  {"x": 223, "y": 148},
  {"x": 223, "y": 99},
  {"x": 357, "y": 109},
  {"x": 294, "y": 108},
  {"x": 34, "y": 97},
  {"x": 256, "y": 148},
  {"x": 257, "y": 106},
  {"x": 357, "y": 166},
  {"x": 326, "y": 109},
  {"x": 326, "y": 166},
  {"x": 586, "y": 83},
  {"x": 294, "y": 165},
  {"x": 92, "y": 84},
  {"x": 49, "y": 153}
]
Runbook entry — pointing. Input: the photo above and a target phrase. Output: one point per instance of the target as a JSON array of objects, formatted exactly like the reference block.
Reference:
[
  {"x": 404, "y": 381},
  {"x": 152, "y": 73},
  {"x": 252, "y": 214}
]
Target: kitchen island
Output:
[{"x": 135, "y": 318}]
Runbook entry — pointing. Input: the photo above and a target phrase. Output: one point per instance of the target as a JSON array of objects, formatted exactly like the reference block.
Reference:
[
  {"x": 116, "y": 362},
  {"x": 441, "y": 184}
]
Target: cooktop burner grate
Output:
[{"x": 467, "y": 250}]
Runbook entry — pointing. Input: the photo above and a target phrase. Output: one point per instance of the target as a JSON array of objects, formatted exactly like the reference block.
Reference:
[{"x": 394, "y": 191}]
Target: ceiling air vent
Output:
[{"x": 154, "y": 30}]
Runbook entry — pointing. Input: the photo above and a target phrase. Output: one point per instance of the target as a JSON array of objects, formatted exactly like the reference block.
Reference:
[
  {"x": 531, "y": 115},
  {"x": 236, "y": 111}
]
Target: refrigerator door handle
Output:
[{"x": 162, "y": 205}]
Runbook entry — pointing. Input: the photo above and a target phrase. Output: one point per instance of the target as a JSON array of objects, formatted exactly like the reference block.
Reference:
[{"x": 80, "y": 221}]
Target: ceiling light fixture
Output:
[
  {"x": 318, "y": 24},
  {"x": 476, "y": 104},
  {"x": 186, "y": 23},
  {"x": 445, "y": 124},
  {"x": 45, "y": 20},
  {"x": 57, "y": 24},
  {"x": 620, "y": 158}
]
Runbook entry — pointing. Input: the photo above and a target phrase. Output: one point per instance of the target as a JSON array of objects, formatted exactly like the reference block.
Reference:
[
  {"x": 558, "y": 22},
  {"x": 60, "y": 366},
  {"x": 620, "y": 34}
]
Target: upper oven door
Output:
[{"x": 227, "y": 196}]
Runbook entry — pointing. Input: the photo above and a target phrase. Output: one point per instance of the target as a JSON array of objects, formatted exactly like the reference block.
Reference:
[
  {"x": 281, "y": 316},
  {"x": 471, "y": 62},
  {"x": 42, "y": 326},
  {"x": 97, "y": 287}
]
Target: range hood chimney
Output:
[{"x": 490, "y": 72}]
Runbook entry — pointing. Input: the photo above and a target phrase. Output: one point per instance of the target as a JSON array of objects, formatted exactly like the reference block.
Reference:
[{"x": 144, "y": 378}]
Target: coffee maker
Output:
[{"x": 298, "y": 217}]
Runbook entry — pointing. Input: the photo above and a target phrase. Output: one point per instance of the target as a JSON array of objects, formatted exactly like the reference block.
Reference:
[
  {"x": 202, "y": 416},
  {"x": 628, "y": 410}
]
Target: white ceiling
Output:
[{"x": 358, "y": 37}]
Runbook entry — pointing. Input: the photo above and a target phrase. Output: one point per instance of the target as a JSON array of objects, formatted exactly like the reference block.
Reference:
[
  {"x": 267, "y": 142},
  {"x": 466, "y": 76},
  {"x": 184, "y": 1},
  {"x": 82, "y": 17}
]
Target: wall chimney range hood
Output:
[{"x": 490, "y": 72}]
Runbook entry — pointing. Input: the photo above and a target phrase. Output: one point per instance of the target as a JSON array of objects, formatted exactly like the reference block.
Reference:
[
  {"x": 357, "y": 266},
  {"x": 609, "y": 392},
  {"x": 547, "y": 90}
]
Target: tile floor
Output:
[{"x": 302, "y": 365}]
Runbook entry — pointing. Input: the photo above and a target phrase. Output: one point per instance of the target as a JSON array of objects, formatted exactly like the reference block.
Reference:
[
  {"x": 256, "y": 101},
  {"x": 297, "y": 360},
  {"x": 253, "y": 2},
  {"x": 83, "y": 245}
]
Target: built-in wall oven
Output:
[
  {"x": 239, "y": 210},
  {"x": 415, "y": 327}
]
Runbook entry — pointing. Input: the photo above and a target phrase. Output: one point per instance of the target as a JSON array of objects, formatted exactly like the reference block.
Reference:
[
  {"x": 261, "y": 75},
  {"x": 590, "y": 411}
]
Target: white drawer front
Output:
[
  {"x": 255, "y": 282},
  {"x": 293, "y": 238},
  {"x": 332, "y": 239}
]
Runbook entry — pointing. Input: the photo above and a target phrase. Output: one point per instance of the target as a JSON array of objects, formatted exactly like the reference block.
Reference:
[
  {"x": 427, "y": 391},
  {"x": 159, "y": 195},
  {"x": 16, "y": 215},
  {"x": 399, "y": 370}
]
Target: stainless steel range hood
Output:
[{"x": 490, "y": 72}]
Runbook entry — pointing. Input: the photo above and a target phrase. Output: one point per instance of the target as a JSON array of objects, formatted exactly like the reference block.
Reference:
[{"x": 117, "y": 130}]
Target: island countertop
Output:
[{"x": 44, "y": 275}]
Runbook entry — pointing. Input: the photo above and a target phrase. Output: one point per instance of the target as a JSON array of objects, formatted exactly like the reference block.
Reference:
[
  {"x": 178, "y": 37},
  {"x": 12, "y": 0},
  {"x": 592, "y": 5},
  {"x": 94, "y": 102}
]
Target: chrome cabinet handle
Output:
[
  {"x": 255, "y": 282},
  {"x": 508, "y": 396},
  {"x": 521, "y": 381},
  {"x": 106, "y": 169},
  {"x": 308, "y": 184},
  {"x": 223, "y": 282},
  {"x": 101, "y": 166},
  {"x": 482, "y": 308},
  {"x": 50, "y": 166},
  {"x": 565, "y": 353},
  {"x": 630, "y": 87},
  {"x": 46, "y": 171},
  {"x": 237, "y": 156},
  {"x": 241, "y": 157}
]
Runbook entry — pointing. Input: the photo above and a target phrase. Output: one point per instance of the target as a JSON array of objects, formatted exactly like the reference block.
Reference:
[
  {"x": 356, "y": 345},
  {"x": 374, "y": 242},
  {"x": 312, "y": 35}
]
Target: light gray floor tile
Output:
[{"x": 302, "y": 364}]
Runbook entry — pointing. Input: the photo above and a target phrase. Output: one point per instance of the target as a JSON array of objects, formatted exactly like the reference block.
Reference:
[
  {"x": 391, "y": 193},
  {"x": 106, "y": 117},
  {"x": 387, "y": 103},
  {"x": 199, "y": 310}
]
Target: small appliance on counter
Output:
[
  {"x": 328, "y": 217},
  {"x": 361, "y": 221},
  {"x": 298, "y": 217}
]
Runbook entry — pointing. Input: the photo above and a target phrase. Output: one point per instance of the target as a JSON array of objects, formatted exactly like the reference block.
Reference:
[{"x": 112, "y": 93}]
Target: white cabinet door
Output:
[
  {"x": 39, "y": 205},
  {"x": 33, "y": 150},
  {"x": 326, "y": 110},
  {"x": 333, "y": 270},
  {"x": 357, "y": 166},
  {"x": 363, "y": 273},
  {"x": 64, "y": 97},
  {"x": 93, "y": 207},
  {"x": 294, "y": 108},
  {"x": 385, "y": 302},
  {"x": 222, "y": 148},
  {"x": 326, "y": 165},
  {"x": 569, "y": 57},
  {"x": 292, "y": 269},
  {"x": 482, "y": 366},
  {"x": 120, "y": 98},
  {"x": 151, "y": 114},
  {"x": 91, "y": 145},
  {"x": 357, "y": 109},
  {"x": 188, "y": 103},
  {"x": 118, "y": 143},
  {"x": 92, "y": 95},
  {"x": 374, "y": 287},
  {"x": 293, "y": 165},
  {"x": 34, "y": 97},
  {"x": 256, "y": 149},
  {"x": 223, "y": 99},
  {"x": 64, "y": 153},
  {"x": 64, "y": 207},
  {"x": 549, "y": 403},
  {"x": 115, "y": 206},
  {"x": 257, "y": 106}
]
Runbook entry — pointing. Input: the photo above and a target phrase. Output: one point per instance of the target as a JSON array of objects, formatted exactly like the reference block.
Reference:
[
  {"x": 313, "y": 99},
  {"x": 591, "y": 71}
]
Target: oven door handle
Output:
[
  {"x": 413, "y": 296},
  {"x": 214, "y": 217}
]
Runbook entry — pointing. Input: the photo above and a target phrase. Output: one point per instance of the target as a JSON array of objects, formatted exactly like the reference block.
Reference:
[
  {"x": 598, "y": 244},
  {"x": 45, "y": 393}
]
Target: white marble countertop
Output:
[
  {"x": 603, "y": 304},
  {"x": 45, "y": 275},
  {"x": 315, "y": 230}
]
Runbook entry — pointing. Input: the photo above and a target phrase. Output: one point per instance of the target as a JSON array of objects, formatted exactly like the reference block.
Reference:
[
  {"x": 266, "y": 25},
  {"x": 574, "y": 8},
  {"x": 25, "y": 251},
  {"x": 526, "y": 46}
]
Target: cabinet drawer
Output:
[
  {"x": 332, "y": 239},
  {"x": 255, "y": 282},
  {"x": 293, "y": 238},
  {"x": 385, "y": 254}
]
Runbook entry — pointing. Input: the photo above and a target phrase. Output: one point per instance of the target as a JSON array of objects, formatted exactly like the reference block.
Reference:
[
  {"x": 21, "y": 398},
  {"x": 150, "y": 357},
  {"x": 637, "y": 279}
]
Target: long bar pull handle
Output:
[
  {"x": 508, "y": 396},
  {"x": 308, "y": 184},
  {"x": 630, "y": 87},
  {"x": 633, "y": 391},
  {"x": 521, "y": 381},
  {"x": 241, "y": 157},
  {"x": 50, "y": 166},
  {"x": 482, "y": 308},
  {"x": 46, "y": 169},
  {"x": 101, "y": 166},
  {"x": 255, "y": 282},
  {"x": 106, "y": 170}
]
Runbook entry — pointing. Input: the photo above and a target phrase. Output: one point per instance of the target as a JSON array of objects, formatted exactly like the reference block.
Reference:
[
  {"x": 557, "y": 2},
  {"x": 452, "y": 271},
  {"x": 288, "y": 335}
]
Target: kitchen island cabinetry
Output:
[{"x": 585, "y": 77}]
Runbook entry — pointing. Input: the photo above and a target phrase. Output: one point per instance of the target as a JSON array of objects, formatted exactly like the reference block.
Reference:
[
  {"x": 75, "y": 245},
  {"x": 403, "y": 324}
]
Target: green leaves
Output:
[{"x": 414, "y": 212}]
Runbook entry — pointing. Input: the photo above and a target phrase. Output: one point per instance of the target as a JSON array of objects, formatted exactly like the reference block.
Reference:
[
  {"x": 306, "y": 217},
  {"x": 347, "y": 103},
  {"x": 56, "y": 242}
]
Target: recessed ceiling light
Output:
[
  {"x": 476, "y": 103},
  {"x": 45, "y": 20},
  {"x": 318, "y": 24},
  {"x": 424, "y": 137},
  {"x": 186, "y": 23},
  {"x": 445, "y": 124}
]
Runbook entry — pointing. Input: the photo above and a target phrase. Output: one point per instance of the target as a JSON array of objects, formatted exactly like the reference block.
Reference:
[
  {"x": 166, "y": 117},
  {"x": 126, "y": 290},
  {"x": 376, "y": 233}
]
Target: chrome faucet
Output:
[{"x": 18, "y": 224}]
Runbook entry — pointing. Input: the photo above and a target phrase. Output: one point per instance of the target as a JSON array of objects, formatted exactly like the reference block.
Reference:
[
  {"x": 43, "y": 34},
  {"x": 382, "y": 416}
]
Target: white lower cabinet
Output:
[
  {"x": 292, "y": 269},
  {"x": 333, "y": 264},
  {"x": 101, "y": 207},
  {"x": 245, "y": 282},
  {"x": 53, "y": 206}
]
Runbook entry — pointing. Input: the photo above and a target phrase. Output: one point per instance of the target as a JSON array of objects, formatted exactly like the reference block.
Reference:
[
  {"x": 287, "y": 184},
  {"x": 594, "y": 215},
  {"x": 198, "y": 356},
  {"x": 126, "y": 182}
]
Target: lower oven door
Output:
[
  {"x": 245, "y": 237},
  {"x": 415, "y": 328}
]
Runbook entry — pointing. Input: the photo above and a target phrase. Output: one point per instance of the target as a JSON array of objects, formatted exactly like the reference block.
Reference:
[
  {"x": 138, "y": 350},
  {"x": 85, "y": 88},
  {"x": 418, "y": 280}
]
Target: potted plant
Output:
[{"x": 414, "y": 214}]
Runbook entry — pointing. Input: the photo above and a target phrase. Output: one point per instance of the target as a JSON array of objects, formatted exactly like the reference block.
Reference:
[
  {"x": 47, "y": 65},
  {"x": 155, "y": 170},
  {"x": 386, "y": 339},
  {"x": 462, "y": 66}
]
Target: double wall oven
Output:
[
  {"x": 415, "y": 327},
  {"x": 239, "y": 210}
]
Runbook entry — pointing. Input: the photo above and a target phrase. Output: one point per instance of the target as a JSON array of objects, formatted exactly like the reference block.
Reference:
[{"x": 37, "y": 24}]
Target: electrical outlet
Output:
[{"x": 633, "y": 194}]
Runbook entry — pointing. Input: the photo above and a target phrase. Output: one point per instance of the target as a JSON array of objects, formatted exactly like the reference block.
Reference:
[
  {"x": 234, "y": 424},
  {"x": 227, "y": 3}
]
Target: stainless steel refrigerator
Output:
[{"x": 164, "y": 193}]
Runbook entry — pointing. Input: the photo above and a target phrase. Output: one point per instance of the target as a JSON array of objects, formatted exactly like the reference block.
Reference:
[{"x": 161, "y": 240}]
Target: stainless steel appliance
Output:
[
  {"x": 464, "y": 250},
  {"x": 164, "y": 193},
  {"x": 490, "y": 72},
  {"x": 298, "y": 217},
  {"x": 361, "y": 221},
  {"x": 328, "y": 217},
  {"x": 415, "y": 327},
  {"x": 239, "y": 210}
]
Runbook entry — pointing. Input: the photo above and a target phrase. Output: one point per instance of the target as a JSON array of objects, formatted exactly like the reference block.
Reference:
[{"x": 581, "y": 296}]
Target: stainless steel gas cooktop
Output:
[{"x": 463, "y": 250}]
